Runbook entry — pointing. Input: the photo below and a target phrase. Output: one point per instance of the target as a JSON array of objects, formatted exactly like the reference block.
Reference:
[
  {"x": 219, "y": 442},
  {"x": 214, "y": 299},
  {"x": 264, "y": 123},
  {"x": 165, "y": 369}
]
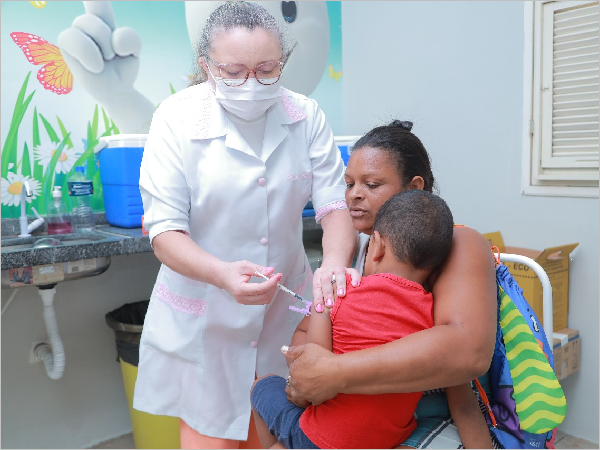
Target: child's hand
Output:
[{"x": 329, "y": 282}]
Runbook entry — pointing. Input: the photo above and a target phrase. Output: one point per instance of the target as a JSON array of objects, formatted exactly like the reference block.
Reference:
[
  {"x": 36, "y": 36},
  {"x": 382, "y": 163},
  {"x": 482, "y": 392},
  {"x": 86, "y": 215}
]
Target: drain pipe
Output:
[{"x": 53, "y": 354}]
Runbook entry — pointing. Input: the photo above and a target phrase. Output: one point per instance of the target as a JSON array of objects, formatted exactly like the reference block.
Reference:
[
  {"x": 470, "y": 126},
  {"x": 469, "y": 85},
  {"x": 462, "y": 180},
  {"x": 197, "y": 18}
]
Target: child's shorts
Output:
[{"x": 282, "y": 417}]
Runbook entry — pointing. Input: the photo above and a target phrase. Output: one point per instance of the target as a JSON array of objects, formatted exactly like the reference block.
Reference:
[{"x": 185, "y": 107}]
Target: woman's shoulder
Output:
[
  {"x": 469, "y": 244},
  {"x": 302, "y": 101},
  {"x": 470, "y": 254},
  {"x": 467, "y": 234}
]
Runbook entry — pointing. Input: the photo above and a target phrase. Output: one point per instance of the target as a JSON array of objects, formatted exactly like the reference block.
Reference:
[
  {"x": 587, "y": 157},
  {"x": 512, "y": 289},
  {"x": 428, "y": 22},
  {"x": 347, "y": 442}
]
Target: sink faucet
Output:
[{"x": 25, "y": 227}]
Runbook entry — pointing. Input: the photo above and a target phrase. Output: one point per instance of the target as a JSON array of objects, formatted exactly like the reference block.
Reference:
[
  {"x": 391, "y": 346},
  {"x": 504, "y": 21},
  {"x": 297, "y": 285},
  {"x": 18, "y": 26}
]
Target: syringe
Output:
[{"x": 282, "y": 287}]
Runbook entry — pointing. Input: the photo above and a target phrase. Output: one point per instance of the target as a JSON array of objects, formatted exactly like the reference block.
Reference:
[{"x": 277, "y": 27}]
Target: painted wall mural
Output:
[{"x": 73, "y": 72}]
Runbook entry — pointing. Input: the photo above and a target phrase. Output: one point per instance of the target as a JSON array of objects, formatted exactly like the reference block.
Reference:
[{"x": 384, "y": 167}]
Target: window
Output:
[{"x": 562, "y": 70}]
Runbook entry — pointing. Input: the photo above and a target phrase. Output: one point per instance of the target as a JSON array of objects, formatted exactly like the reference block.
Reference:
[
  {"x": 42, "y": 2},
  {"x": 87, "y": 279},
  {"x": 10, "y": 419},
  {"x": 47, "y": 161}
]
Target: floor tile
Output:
[
  {"x": 566, "y": 441},
  {"x": 563, "y": 441},
  {"x": 125, "y": 441}
]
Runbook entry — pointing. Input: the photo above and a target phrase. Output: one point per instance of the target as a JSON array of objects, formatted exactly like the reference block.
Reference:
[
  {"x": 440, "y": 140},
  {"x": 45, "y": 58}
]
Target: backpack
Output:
[{"x": 526, "y": 403}]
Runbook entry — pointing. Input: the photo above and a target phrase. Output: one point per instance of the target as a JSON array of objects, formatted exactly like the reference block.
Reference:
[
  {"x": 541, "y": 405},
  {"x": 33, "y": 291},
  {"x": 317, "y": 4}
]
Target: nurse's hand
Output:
[
  {"x": 235, "y": 279},
  {"x": 329, "y": 282},
  {"x": 314, "y": 376}
]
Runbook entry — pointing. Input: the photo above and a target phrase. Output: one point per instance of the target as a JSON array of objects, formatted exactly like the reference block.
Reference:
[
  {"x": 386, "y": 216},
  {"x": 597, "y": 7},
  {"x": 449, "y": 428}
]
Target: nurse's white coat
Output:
[{"x": 200, "y": 349}]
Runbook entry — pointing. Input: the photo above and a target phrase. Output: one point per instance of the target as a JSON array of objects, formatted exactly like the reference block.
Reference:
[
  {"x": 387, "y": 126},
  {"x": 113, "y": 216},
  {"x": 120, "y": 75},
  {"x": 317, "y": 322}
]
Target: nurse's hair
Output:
[
  {"x": 239, "y": 14},
  {"x": 418, "y": 226},
  {"x": 406, "y": 150}
]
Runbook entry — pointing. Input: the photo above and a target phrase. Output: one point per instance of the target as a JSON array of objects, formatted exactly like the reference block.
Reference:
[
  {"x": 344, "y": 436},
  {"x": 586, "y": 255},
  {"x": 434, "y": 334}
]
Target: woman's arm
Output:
[
  {"x": 467, "y": 416},
  {"x": 180, "y": 253},
  {"x": 339, "y": 244},
  {"x": 456, "y": 350}
]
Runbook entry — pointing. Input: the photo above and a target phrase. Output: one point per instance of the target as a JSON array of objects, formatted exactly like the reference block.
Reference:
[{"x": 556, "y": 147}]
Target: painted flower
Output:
[
  {"x": 11, "y": 189},
  {"x": 44, "y": 152}
]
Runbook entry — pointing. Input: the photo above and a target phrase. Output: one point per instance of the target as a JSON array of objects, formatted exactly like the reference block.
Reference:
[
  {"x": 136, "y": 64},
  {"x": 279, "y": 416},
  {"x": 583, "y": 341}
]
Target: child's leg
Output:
[
  {"x": 267, "y": 440},
  {"x": 253, "y": 437},
  {"x": 279, "y": 418},
  {"x": 190, "y": 438}
]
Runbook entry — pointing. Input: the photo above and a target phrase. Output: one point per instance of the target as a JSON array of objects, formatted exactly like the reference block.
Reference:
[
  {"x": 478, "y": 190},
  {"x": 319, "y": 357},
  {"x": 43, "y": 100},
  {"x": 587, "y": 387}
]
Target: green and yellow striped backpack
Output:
[{"x": 527, "y": 402}]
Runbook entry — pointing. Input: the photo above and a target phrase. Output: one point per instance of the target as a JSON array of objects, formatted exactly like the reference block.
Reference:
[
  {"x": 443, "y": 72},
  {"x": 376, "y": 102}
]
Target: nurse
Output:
[{"x": 228, "y": 167}]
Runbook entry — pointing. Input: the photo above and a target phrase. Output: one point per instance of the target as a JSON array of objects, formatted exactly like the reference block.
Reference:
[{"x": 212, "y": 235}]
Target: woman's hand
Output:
[
  {"x": 313, "y": 375},
  {"x": 235, "y": 277},
  {"x": 329, "y": 282},
  {"x": 296, "y": 400}
]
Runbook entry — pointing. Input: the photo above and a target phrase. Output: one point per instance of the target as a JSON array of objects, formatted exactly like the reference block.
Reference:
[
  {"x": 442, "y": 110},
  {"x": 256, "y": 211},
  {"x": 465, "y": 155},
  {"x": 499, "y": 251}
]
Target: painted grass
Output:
[
  {"x": 28, "y": 166},
  {"x": 59, "y": 135}
]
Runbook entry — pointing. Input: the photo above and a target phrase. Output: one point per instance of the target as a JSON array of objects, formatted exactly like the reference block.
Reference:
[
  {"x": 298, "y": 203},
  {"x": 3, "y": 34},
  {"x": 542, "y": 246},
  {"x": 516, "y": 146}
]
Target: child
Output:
[{"x": 411, "y": 237}]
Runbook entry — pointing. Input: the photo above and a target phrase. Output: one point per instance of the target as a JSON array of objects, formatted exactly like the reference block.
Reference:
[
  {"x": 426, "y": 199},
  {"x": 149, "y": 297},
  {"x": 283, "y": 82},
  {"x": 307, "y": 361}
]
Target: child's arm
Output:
[
  {"x": 467, "y": 415},
  {"x": 299, "y": 336},
  {"x": 319, "y": 329},
  {"x": 320, "y": 333}
]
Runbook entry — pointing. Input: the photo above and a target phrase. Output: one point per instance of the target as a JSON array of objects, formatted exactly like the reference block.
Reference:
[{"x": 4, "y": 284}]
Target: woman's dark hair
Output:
[{"x": 405, "y": 148}]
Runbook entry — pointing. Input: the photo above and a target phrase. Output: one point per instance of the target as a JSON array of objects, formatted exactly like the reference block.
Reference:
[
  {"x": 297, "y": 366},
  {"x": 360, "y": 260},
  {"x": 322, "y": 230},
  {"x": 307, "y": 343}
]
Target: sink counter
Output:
[{"x": 118, "y": 241}]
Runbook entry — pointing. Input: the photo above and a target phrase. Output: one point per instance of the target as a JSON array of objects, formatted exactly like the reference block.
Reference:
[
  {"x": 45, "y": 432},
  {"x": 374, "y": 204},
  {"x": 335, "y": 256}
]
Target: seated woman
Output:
[
  {"x": 412, "y": 236},
  {"x": 457, "y": 349}
]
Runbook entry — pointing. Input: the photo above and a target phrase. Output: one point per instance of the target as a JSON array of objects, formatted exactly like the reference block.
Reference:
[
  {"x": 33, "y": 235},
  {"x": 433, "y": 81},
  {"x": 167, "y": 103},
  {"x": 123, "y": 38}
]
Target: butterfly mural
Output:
[
  {"x": 55, "y": 76},
  {"x": 333, "y": 74}
]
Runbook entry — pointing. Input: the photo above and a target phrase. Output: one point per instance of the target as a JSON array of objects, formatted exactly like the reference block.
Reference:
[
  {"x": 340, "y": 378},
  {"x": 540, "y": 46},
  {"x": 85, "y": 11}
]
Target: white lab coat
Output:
[{"x": 200, "y": 349}]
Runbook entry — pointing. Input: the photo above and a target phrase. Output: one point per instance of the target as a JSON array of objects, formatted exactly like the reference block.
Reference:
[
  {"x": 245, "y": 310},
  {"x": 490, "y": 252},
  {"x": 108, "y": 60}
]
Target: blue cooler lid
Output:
[{"x": 124, "y": 140}]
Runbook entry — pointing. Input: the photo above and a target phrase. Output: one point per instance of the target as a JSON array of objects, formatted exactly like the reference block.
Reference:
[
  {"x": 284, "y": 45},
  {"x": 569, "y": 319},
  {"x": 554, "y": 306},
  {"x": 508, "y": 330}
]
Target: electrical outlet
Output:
[{"x": 32, "y": 358}]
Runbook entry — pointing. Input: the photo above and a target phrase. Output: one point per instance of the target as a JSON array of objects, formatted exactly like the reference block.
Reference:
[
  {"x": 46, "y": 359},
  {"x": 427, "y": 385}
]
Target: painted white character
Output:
[{"x": 105, "y": 59}]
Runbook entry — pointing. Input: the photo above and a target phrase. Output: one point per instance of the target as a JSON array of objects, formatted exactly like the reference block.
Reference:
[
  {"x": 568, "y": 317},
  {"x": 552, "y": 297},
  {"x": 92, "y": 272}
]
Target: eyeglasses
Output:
[{"x": 237, "y": 74}]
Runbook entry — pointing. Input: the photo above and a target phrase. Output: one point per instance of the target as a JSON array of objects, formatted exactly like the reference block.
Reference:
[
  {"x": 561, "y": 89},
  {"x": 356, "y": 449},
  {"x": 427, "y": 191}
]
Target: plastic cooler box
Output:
[
  {"x": 345, "y": 144},
  {"x": 120, "y": 162}
]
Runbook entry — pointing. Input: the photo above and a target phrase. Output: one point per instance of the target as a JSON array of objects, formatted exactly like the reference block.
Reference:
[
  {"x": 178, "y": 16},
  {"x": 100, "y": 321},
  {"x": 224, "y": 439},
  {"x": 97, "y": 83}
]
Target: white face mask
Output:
[{"x": 248, "y": 101}]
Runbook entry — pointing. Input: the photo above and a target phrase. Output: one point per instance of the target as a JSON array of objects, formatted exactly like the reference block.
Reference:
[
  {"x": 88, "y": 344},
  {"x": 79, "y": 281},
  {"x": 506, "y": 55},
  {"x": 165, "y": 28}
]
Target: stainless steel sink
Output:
[
  {"x": 11, "y": 244},
  {"x": 41, "y": 248}
]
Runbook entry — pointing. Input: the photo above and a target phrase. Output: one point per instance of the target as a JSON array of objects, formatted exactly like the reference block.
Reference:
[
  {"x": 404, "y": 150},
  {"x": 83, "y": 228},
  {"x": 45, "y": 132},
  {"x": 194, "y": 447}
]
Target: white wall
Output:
[
  {"x": 88, "y": 404},
  {"x": 456, "y": 70}
]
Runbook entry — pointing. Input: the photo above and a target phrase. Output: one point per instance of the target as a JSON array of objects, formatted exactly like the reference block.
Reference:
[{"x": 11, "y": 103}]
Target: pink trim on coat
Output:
[
  {"x": 330, "y": 207},
  {"x": 292, "y": 110},
  {"x": 302, "y": 176},
  {"x": 179, "y": 302}
]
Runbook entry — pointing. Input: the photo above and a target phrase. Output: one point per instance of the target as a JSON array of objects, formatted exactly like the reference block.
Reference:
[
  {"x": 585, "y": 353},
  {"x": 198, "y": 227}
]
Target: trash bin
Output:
[{"x": 149, "y": 431}]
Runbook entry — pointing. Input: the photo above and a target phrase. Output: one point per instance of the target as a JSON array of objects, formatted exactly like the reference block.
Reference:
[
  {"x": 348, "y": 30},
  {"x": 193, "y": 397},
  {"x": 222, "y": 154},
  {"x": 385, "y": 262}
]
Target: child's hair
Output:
[
  {"x": 418, "y": 226},
  {"x": 239, "y": 14},
  {"x": 405, "y": 148}
]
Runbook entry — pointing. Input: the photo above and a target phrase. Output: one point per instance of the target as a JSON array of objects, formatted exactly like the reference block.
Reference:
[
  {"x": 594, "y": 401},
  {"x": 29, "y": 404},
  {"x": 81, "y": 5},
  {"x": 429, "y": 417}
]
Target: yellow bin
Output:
[{"x": 149, "y": 431}]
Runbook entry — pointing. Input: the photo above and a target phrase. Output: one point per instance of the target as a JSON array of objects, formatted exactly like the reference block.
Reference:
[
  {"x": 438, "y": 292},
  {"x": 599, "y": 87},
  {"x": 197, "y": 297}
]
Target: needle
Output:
[{"x": 282, "y": 287}]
